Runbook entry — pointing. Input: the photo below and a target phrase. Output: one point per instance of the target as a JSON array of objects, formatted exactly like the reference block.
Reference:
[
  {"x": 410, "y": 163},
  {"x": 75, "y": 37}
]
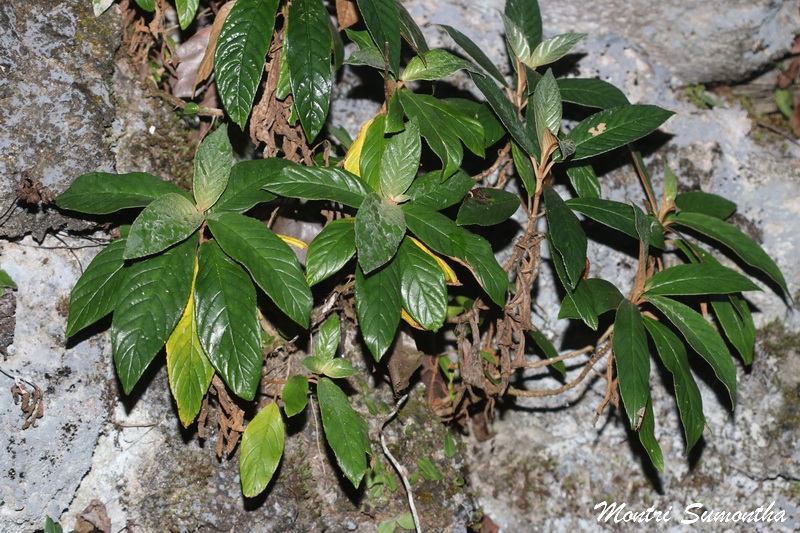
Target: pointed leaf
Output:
[
  {"x": 702, "y": 337},
  {"x": 262, "y": 449},
  {"x": 612, "y": 128},
  {"x": 333, "y": 368},
  {"x": 308, "y": 54},
  {"x": 410, "y": 30},
  {"x": 526, "y": 14},
  {"x": 327, "y": 340},
  {"x": 383, "y": 23},
  {"x": 189, "y": 370},
  {"x": 101, "y": 193},
  {"x": 698, "y": 278},
  {"x": 548, "y": 349},
  {"x": 524, "y": 168},
  {"x": 576, "y": 302},
  {"x": 97, "y": 290},
  {"x": 318, "y": 183},
  {"x": 591, "y": 92},
  {"x": 345, "y": 431},
  {"x": 584, "y": 181},
  {"x": 547, "y": 106},
  {"x": 400, "y": 161},
  {"x": 330, "y": 250},
  {"x": 422, "y": 286},
  {"x": 6, "y": 281},
  {"x": 516, "y": 40},
  {"x": 610, "y": 213},
  {"x": 167, "y": 220},
  {"x": 212, "y": 168},
  {"x": 295, "y": 395},
  {"x": 487, "y": 207},
  {"x": 672, "y": 353},
  {"x": 443, "y": 236},
  {"x": 152, "y": 298},
  {"x": 632, "y": 358},
  {"x": 186, "y": 10},
  {"x": 475, "y": 52},
  {"x": 245, "y": 186},
  {"x": 378, "y": 303},
  {"x": 737, "y": 322},
  {"x": 602, "y": 295},
  {"x": 568, "y": 237},
  {"x": 147, "y": 5},
  {"x": 553, "y": 49},
  {"x": 241, "y": 53},
  {"x": 705, "y": 203},
  {"x": 435, "y": 65},
  {"x": 647, "y": 436},
  {"x": 273, "y": 265},
  {"x": 227, "y": 320},
  {"x": 729, "y": 235},
  {"x": 508, "y": 115},
  {"x": 429, "y": 191},
  {"x": 371, "y": 152},
  {"x": 379, "y": 227}
]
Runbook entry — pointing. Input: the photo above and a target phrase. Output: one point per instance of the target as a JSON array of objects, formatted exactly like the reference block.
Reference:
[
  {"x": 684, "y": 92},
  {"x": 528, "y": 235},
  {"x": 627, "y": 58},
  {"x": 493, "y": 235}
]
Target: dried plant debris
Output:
[{"x": 29, "y": 397}]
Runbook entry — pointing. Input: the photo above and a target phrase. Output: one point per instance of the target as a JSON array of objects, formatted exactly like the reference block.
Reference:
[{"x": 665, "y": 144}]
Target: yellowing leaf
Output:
[
  {"x": 353, "y": 157},
  {"x": 410, "y": 321},
  {"x": 291, "y": 241},
  {"x": 449, "y": 275},
  {"x": 189, "y": 370}
]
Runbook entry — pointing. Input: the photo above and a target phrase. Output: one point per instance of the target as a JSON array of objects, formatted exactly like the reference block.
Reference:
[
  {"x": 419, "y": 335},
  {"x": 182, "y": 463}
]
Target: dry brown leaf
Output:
[
  {"x": 207, "y": 65},
  {"x": 93, "y": 519},
  {"x": 190, "y": 54},
  {"x": 347, "y": 13}
]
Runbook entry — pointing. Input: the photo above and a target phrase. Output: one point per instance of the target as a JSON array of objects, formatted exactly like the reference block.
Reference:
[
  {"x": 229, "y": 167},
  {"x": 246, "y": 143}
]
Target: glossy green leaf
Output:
[
  {"x": 410, "y": 30},
  {"x": 101, "y": 193},
  {"x": 736, "y": 320},
  {"x": 378, "y": 303},
  {"x": 6, "y": 281},
  {"x": 524, "y": 167},
  {"x": 616, "y": 215},
  {"x": 698, "y": 278},
  {"x": 553, "y": 49},
  {"x": 186, "y": 11},
  {"x": 284, "y": 86},
  {"x": 546, "y": 106},
  {"x": 729, "y": 235},
  {"x": 96, "y": 291},
  {"x": 241, "y": 53},
  {"x": 167, "y": 220},
  {"x": 672, "y": 353},
  {"x": 383, "y": 23},
  {"x": 591, "y": 92},
  {"x": 400, "y": 162},
  {"x": 602, "y": 296},
  {"x": 212, "y": 168},
  {"x": 152, "y": 298},
  {"x": 244, "y": 190},
  {"x": 548, "y": 349},
  {"x": 308, "y": 53},
  {"x": 515, "y": 37},
  {"x": 262, "y": 449},
  {"x": 227, "y": 320},
  {"x": 330, "y": 250},
  {"x": 567, "y": 236},
  {"x": 487, "y": 207},
  {"x": 372, "y": 150},
  {"x": 379, "y": 226},
  {"x": 429, "y": 191},
  {"x": 295, "y": 395},
  {"x": 333, "y": 368},
  {"x": 318, "y": 183},
  {"x": 508, "y": 115},
  {"x": 612, "y": 128},
  {"x": 475, "y": 52},
  {"x": 493, "y": 130},
  {"x": 395, "y": 116},
  {"x": 577, "y": 302},
  {"x": 702, "y": 337},
  {"x": 189, "y": 370},
  {"x": 327, "y": 340},
  {"x": 632, "y": 358},
  {"x": 346, "y": 432},
  {"x": 422, "y": 286},
  {"x": 705, "y": 203},
  {"x": 54, "y": 527},
  {"x": 526, "y": 14},
  {"x": 147, "y": 5},
  {"x": 435, "y": 65},
  {"x": 273, "y": 265},
  {"x": 647, "y": 436},
  {"x": 443, "y": 236},
  {"x": 584, "y": 180}
]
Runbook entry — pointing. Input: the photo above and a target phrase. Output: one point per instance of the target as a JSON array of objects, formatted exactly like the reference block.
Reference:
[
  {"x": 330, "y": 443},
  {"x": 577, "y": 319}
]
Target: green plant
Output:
[{"x": 402, "y": 236}]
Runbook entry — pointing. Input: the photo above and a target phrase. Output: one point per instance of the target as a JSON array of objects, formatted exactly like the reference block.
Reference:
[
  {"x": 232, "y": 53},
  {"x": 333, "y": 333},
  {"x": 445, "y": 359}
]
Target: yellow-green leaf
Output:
[{"x": 262, "y": 448}]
